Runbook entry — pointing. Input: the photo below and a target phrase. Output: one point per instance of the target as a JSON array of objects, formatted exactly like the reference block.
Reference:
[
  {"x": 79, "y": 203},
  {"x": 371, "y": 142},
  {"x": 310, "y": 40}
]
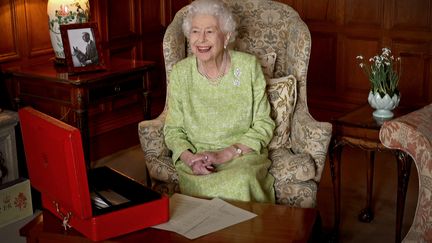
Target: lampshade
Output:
[{"x": 62, "y": 12}]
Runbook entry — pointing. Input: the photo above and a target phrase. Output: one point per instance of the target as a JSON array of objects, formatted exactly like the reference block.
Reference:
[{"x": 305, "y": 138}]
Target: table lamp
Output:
[{"x": 62, "y": 12}]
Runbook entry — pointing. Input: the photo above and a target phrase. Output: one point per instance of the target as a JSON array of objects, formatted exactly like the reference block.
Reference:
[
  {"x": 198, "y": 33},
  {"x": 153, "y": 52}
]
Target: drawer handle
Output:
[{"x": 117, "y": 88}]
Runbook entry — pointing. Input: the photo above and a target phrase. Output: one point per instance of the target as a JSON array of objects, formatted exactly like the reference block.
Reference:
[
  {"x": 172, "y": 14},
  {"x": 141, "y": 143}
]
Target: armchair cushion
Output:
[{"x": 282, "y": 95}]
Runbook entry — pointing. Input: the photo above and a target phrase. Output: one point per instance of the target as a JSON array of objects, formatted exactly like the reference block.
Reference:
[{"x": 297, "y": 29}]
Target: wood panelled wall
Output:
[
  {"x": 24, "y": 30},
  {"x": 344, "y": 29},
  {"x": 340, "y": 29}
]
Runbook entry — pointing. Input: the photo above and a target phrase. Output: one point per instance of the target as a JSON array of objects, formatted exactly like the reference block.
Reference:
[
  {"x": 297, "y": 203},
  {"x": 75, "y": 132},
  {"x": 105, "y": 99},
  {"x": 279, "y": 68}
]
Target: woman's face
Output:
[{"x": 206, "y": 38}]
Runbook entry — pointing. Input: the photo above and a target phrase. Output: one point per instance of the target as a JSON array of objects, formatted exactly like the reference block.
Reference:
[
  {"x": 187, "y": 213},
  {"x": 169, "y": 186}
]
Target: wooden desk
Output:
[
  {"x": 274, "y": 223},
  {"x": 105, "y": 105},
  {"x": 359, "y": 129}
]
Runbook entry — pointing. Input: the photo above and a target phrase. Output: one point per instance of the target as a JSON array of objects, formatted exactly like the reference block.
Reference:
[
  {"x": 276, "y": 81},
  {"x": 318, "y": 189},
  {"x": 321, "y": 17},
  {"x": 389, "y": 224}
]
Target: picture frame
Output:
[{"x": 82, "y": 47}]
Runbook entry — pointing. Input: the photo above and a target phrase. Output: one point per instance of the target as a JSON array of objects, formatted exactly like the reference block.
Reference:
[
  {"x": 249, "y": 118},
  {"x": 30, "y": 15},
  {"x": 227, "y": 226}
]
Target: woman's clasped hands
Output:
[
  {"x": 200, "y": 165},
  {"x": 203, "y": 163}
]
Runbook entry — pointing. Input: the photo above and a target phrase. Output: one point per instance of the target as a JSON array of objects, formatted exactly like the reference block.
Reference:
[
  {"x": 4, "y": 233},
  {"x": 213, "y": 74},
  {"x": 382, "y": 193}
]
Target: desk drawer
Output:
[
  {"x": 115, "y": 88},
  {"x": 121, "y": 101}
]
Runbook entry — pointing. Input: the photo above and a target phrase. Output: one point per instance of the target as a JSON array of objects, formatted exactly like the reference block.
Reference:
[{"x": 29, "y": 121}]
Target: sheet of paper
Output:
[{"x": 194, "y": 217}]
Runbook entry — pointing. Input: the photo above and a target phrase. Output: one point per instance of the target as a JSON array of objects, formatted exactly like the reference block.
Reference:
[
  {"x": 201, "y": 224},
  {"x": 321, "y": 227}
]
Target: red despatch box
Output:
[{"x": 100, "y": 204}]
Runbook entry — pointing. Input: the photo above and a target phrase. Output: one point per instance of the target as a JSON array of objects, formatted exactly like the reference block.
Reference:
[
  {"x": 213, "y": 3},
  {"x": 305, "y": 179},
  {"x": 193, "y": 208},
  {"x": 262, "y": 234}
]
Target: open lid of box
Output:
[{"x": 55, "y": 161}]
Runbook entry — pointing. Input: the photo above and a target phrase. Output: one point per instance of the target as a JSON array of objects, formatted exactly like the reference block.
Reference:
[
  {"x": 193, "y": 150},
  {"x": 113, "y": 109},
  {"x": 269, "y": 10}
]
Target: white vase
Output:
[
  {"x": 62, "y": 12},
  {"x": 383, "y": 105}
]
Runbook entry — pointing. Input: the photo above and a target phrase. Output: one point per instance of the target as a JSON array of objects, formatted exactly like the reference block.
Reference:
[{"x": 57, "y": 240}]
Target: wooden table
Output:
[
  {"x": 105, "y": 105},
  {"x": 360, "y": 129},
  {"x": 274, "y": 223}
]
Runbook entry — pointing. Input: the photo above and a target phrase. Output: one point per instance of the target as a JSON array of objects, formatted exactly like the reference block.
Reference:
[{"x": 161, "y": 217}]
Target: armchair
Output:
[
  {"x": 412, "y": 134},
  {"x": 263, "y": 27}
]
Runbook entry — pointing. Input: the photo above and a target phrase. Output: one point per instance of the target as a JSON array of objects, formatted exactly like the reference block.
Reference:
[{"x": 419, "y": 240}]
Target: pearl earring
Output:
[{"x": 226, "y": 42}]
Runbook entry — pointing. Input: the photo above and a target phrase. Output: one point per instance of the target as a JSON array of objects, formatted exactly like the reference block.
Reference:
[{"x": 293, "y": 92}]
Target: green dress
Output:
[{"x": 203, "y": 116}]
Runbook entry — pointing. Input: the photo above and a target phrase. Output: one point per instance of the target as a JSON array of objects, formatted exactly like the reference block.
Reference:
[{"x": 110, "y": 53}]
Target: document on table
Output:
[{"x": 194, "y": 217}]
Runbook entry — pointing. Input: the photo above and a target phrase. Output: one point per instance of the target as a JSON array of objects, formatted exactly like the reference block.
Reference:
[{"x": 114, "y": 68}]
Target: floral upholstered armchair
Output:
[
  {"x": 281, "y": 41},
  {"x": 412, "y": 134}
]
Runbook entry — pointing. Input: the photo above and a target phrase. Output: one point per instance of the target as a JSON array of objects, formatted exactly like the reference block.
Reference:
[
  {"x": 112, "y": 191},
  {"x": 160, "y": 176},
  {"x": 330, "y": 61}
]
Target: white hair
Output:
[{"x": 215, "y": 8}]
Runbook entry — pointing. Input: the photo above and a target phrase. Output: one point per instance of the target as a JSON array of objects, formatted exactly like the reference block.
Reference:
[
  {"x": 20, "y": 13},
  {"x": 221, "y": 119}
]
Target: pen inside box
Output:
[
  {"x": 107, "y": 198},
  {"x": 110, "y": 190}
]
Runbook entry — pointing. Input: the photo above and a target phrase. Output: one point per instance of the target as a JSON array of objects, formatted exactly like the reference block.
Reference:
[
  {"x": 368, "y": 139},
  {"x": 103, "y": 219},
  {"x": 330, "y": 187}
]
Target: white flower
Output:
[
  {"x": 383, "y": 72},
  {"x": 386, "y": 51}
]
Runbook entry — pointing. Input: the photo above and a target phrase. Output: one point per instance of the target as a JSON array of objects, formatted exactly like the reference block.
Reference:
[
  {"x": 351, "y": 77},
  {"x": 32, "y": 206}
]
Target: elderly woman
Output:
[{"x": 218, "y": 124}]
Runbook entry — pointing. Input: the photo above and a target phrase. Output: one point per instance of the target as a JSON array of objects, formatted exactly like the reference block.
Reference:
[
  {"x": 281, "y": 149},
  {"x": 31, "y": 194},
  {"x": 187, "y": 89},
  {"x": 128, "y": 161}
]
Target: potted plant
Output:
[{"x": 383, "y": 72}]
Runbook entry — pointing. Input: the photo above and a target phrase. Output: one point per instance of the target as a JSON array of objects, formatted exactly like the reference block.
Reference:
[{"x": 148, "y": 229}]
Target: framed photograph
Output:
[{"x": 82, "y": 47}]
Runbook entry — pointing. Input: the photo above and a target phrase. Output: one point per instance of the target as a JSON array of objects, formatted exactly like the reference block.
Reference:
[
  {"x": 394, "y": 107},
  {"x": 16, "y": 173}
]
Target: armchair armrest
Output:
[
  {"x": 151, "y": 137},
  {"x": 311, "y": 137},
  {"x": 157, "y": 155},
  {"x": 412, "y": 134}
]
